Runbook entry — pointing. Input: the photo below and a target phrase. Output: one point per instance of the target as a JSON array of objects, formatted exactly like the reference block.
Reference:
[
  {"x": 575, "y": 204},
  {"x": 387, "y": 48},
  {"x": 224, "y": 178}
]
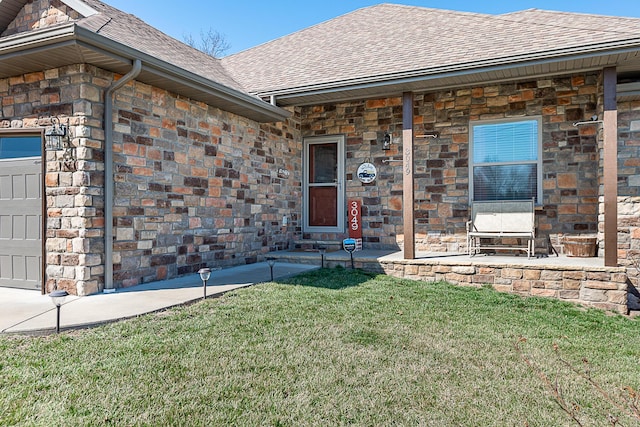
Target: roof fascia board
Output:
[
  {"x": 188, "y": 78},
  {"x": 47, "y": 36},
  {"x": 35, "y": 49},
  {"x": 455, "y": 70},
  {"x": 391, "y": 89},
  {"x": 72, "y": 33},
  {"x": 628, "y": 89},
  {"x": 81, "y": 7},
  {"x": 204, "y": 85}
]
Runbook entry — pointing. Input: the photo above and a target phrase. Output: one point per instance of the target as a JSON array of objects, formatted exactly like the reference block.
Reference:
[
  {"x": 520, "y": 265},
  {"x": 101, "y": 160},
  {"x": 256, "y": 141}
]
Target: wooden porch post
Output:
[
  {"x": 407, "y": 176},
  {"x": 610, "y": 172}
]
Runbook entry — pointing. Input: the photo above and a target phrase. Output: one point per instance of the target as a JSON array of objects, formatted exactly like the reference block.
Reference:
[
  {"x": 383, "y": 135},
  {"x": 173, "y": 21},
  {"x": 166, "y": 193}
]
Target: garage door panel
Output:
[
  {"x": 18, "y": 187},
  {"x": 33, "y": 266},
  {"x": 6, "y": 229},
  {"x": 5, "y": 266},
  {"x": 19, "y": 267},
  {"x": 20, "y": 223},
  {"x": 33, "y": 225},
  {"x": 32, "y": 186},
  {"x": 19, "y": 227},
  {"x": 6, "y": 193}
]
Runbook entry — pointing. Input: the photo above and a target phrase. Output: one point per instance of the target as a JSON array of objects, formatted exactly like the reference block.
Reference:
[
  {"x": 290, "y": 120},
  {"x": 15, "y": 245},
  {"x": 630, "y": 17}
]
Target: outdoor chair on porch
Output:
[{"x": 508, "y": 222}]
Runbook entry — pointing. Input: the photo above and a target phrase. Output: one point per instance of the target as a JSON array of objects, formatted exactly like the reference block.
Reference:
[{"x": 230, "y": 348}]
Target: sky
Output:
[{"x": 248, "y": 23}]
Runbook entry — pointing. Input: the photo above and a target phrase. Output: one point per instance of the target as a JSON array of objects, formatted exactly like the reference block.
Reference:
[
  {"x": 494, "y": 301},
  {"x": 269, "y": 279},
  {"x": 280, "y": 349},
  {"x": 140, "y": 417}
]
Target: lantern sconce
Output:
[
  {"x": 57, "y": 139},
  {"x": 386, "y": 141}
]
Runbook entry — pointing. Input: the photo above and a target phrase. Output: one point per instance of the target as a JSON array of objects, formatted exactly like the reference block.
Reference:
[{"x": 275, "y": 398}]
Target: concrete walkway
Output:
[{"x": 30, "y": 312}]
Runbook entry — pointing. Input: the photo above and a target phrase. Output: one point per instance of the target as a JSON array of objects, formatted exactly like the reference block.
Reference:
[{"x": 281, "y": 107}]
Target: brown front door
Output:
[{"x": 324, "y": 195}]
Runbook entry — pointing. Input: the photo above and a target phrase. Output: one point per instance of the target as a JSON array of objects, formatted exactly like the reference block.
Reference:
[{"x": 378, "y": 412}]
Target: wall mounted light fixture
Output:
[
  {"x": 386, "y": 141},
  {"x": 55, "y": 135},
  {"x": 57, "y": 139}
]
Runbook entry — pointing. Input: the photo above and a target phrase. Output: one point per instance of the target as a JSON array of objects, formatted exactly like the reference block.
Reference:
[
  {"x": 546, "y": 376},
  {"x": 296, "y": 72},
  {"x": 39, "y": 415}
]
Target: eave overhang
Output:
[
  {"x": 70, "y": 44},
  {"x": 625, "y": 55}
]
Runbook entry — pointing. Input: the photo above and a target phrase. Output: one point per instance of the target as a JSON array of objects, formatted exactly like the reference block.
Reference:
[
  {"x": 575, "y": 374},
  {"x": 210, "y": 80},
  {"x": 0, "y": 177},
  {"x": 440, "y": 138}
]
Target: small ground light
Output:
[
  {"x": 57, "y": 298},
  {"x": 323, "y": 250},
  {"x": 271, "y": 261},
  {"x": 204, "y": 273}
]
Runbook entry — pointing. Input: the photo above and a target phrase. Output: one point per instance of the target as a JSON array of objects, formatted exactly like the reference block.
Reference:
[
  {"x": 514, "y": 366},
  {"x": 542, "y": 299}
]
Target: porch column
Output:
[
  {"x": 407, "y": 176},
  {"x": 610, "y": 168}
]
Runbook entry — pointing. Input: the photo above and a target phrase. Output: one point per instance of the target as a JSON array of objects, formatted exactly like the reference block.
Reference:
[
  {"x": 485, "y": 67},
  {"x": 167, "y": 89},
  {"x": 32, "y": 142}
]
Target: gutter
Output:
[
  {"x": 454, "y": 70},
  {"x": 72, "y": 34},
  {"x": 163, "y": 69},
  {"x": 108, "y": 172},
  {"x": 37, "y": 38}
]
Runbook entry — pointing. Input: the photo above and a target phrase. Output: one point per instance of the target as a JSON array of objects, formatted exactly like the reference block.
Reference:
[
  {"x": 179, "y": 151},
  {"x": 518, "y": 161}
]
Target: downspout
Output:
[{"x": 108, "y": 172}]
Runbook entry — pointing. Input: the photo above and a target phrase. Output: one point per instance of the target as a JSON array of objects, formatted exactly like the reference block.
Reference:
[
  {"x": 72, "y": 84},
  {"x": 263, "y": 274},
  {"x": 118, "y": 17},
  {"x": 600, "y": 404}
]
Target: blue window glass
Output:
[
  {"x": 505, "y": 160},
  {"x": 13, "y": 147},
  {"x": 505, "y": 142}
]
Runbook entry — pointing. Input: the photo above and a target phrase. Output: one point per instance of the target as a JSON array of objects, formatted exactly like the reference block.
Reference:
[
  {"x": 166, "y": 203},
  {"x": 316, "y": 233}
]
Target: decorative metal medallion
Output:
[{"x": 367, "y": 173}]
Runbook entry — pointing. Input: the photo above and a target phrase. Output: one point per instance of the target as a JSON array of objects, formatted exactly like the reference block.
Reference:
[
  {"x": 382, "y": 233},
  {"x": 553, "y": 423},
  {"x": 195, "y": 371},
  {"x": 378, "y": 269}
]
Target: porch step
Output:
[{"x": 316, "y": 245}]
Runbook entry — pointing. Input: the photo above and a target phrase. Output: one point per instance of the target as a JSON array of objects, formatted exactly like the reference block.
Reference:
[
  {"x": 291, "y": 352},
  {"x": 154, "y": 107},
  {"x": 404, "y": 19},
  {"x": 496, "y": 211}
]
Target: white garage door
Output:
[{"x": 20, "y": 212}]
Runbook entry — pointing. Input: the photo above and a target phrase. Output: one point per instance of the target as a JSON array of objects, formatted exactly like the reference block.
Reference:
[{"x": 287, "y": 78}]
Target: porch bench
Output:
[{"x": 498, "y": 220}]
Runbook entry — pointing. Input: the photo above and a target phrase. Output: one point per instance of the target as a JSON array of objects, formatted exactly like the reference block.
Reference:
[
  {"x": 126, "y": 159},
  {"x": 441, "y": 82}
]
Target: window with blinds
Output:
[{"x": 506, "y": 160}]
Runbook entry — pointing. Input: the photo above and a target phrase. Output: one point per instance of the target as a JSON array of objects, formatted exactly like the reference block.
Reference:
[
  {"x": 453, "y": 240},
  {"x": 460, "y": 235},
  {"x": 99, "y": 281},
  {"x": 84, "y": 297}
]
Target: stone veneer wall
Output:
[
  {"x": 600, "y": 288},
  {"x": 40, "y": 14},
  {"x": 570, "y": 156},
  {"x": 629, "y": 196},
  {"x": 196, "y": 186},
  {"x": 629, "y": 182},
  {"x": 73, "y": 198}
]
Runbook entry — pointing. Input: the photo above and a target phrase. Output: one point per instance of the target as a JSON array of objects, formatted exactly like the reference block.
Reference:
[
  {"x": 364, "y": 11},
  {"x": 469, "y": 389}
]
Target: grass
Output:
[{"x": 333, "y": 347}]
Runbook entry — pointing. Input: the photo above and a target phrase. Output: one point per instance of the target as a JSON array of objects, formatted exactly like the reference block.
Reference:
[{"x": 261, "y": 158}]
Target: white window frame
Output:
[
  {"x": 538, "y": 162},
  {"x": 341, "y": 199}
]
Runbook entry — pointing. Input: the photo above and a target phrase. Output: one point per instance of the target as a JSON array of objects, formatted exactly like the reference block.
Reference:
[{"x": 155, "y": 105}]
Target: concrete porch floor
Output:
[{"x": 341, "y": 257}]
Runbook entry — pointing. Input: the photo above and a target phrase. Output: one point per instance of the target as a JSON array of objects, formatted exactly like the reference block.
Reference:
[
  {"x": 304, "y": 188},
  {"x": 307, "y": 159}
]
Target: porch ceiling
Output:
[{"x": 446, "y": 78}]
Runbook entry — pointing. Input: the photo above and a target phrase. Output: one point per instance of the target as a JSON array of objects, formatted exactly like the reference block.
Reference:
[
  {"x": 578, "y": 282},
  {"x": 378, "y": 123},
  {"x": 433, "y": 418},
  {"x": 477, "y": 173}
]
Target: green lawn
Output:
[{"x": 334, "y": 347}]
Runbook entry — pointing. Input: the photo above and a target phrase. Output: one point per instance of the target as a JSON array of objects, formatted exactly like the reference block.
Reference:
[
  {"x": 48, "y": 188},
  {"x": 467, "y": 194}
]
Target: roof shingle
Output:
[
  {"x": 131, "y": 31},
  {"x": 387, "y": 40}
]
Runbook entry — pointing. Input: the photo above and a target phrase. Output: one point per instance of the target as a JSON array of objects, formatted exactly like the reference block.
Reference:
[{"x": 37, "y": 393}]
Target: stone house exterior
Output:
[
  {"x": 208, "y": 162},
  {"x": 194, "y": 170},
  {"x": 570, "y": 69}
]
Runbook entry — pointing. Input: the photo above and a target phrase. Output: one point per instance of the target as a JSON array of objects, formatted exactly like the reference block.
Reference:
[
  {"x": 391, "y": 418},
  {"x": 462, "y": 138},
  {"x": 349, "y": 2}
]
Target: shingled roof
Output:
[
  {"x": 385, "y": 43},
  {"x": 111, "y": 39},
  {"x": 131, "y": 31}
]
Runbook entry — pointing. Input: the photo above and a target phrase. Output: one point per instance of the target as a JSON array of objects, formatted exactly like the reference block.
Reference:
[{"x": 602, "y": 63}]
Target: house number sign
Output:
[{"x": 367, "y": 173}]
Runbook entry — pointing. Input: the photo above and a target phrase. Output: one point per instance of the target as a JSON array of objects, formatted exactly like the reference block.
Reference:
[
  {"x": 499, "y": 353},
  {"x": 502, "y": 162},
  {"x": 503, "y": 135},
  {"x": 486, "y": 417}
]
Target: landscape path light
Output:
[
  {"x": 271, "y": 261},
  {"x": 323, "y": 250},
  {"x": 57, "y": 298},
  {"x": 204, "y": 273}
]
